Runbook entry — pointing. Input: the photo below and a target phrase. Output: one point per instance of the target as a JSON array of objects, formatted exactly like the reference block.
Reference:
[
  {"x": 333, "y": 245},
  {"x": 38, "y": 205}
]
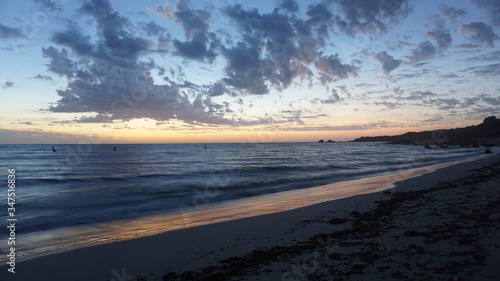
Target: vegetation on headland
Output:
[{"x": 486, "y": 133}]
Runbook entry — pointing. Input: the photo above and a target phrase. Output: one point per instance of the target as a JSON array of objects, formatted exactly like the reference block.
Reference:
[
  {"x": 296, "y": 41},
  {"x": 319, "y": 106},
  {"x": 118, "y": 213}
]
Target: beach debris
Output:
[{"x": 488, "y": 151}]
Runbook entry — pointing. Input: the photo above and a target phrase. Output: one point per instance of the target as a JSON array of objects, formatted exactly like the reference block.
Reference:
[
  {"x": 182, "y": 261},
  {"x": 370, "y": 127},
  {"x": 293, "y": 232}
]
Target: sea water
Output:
[{"x": 80, "y": 188}]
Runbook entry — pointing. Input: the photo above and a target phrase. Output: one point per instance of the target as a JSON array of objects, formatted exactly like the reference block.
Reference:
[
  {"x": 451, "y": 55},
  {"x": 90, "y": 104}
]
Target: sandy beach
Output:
[{"x": 441, "y": 225}]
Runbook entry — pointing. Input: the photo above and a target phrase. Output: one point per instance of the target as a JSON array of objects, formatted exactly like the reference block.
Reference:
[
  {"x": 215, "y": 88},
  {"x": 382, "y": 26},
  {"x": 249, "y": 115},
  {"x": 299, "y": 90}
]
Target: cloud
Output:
[
  {"x": 389, "y": 104},
  {"x": 486, "y": 70},
  {"x": 422, "y": 51},
  {"x": 245, "y": 70},
  {"x": 388, "y": 62},
  {"x": 276, "y": 48},
  {"x": 370, "y": 17},
  {"x": 107, "y": 79},
  {"x": 9, "y": 32},
  {"x": 50, "y": 5},
  {"x": 217, "y": 89},
  {"x": 490, "y": 100},
  {"x": 42, "y": 77},
  {"x": 320, "y": 17},
  {"x": 60, "y": 63},
  {"x": 116, "y": 93},
  {"x": 152, "y": 29},
  {"x": 480, "y": 32},
  {"x": 8, "y": 84},
  {"x": 28, "y": 123},
  {"x": 446, "y": 104},
  {"x": 117, "y": 43},
  {"x": 440, "y": 33},
  {"x": 332, "y": 69},
  {"x": 420, "y": 95},
  {"x": 451, "y": 12},
  {"x": 288, "y": 5},
  {"x": 201, "y": 44},
  {"x": 333, "y": 98},
  {"x": 492, "y": 7},
  {"x": 451, "y": 75}
]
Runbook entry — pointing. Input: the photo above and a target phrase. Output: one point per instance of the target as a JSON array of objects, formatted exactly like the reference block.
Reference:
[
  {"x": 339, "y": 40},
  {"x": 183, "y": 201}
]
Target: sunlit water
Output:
[{"x": 90, "y": 194}]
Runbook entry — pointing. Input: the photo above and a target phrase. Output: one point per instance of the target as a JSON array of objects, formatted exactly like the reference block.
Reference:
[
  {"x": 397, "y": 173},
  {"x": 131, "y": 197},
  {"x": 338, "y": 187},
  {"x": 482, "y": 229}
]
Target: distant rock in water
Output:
[
  {"x": 487, "y": 151},
  {"x": 330, "y": 141},
  {"x": 321, "y": 141}
]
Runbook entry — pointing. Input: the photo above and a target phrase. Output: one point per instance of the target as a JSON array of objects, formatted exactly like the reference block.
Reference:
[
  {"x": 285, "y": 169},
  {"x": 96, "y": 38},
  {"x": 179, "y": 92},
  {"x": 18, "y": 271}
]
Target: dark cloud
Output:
[
  {"x": 28, "y": 123},
  {"x": 116, "y": 93},
  {"x": 60, "y": 63},
  {"x": 434, "y": 119},
  {"x": 321, "y": 18},
  {"x": 245, "y": 70},
  {"x": 389, "y": 104},
  {"x": 107, "y": 79},
  {"x": 332, "y": 69},
  {"x": 8, "y": 84},
  {"x": 486, "y": 70},
  {"x": 444, "y": 104},
  {"x": 117, "y": 42},
  {"x": 288, "y": 5},
  {"x": 333, "y": 98},
  {"x": 423, "y": 51},
  {"x": 449, "y": 76},
  {"x": 201, "y": 44},
  {"x": 388, "y": 62},
  {"x": 277, "y": 48},
  {"x": 492, "y": 7},
  {"x": 42, "y": 77},
  {"x": 49, "y": 5},
  {"x": 493, "y": 56},
  {"x": 152, "y": 29},
  {"x": 480, "y": 32},
  {"x": 420, "y": 95},
  {"x": 490, "y": 100},
  {"x": 451, "y": 12},
  {"x": 74, "y": 39},
  {"x": 440, "y": 33},
  {"x": 196, "y": 49},
  {"x": 467, "y": 46},
  {"x": 9, "y": 32},
  {"x": 217, "y": 89},
  {"x": 370, "y": 17}
]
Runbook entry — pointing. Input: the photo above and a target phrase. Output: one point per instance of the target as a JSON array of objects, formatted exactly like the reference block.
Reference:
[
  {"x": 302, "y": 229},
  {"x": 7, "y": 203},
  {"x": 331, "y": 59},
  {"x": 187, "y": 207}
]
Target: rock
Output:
[
  {"x": 321, "y": 141},
  {"x": 487, "y": 151},
  {"x": 330, "y": 141},
  {"x": 427, "y": 146}
]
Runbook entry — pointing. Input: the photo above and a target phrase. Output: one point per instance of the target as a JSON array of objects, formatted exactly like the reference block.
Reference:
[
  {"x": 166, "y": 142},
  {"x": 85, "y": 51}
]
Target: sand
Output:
[{"x": 441, "y": 225}]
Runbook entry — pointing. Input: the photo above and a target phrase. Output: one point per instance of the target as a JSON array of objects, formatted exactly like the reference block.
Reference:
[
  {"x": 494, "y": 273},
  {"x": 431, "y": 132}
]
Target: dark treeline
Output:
[{"x": 485, "y": 133}]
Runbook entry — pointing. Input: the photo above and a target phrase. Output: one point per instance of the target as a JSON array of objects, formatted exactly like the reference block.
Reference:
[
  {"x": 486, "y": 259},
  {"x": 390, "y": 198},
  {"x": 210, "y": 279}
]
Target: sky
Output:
[{"x": 109, "y": 71}]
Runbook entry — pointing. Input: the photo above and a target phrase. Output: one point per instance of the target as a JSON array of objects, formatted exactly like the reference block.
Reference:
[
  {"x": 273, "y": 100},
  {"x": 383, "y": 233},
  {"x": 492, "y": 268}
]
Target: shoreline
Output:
[
  {"x": 71, "y": 238},
  {"x": 153, "y": 254}
]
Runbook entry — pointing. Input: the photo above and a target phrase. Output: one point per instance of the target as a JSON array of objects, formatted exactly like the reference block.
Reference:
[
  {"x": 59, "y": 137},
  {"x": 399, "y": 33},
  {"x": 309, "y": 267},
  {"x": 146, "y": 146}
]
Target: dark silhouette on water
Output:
[
  {"x": 114, "y": 148},
  {"x": 53, "y": 149},
  {"x": 205, "y": 146}
]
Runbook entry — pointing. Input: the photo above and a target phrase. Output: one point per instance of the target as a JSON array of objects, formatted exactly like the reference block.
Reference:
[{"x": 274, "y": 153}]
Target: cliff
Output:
[{"x": 488, "y": 131}]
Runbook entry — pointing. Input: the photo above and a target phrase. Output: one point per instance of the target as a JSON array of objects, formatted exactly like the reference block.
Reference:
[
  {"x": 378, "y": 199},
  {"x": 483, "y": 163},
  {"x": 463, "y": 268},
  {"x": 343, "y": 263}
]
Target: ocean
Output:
[{"x": 62, "y": 195}]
